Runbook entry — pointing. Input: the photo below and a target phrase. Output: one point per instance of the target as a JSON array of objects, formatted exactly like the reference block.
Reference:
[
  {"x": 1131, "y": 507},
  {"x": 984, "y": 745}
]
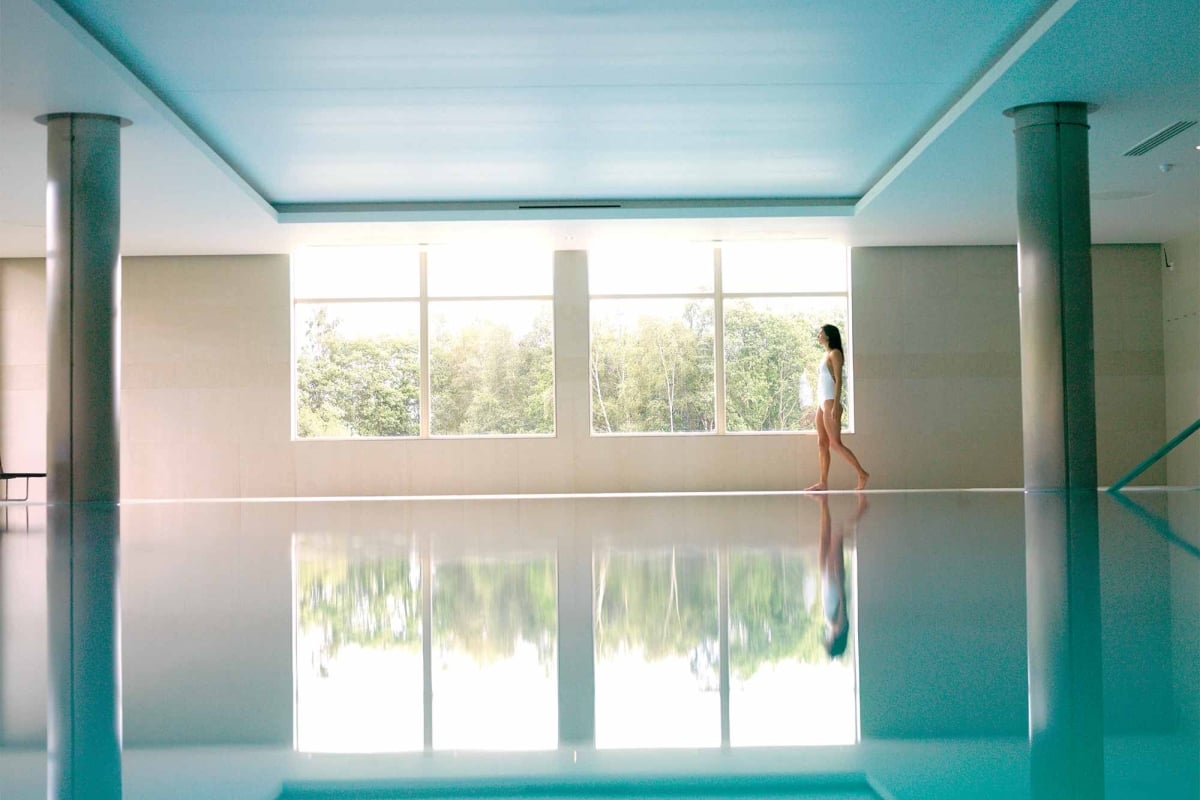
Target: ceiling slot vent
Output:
[
  {"x": 564, "y": 206},
  {"x": 1148, "y": 144}
]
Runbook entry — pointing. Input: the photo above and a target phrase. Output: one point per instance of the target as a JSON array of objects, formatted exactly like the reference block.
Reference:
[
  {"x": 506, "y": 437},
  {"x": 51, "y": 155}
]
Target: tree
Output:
[
  {"x": 656, "y": 375},
  {"x": 484, "y": 380},
  {"x": 356, "y": 387}
]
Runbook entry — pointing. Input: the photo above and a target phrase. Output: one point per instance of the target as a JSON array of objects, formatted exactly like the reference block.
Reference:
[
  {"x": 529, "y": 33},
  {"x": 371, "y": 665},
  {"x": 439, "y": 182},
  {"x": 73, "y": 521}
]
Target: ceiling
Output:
[{"x": 263, "y": 125}]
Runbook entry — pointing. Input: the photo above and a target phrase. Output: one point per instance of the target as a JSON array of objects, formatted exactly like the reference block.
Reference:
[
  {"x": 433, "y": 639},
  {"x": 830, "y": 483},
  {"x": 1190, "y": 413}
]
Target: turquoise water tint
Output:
[{"x": 987, "y": 645}]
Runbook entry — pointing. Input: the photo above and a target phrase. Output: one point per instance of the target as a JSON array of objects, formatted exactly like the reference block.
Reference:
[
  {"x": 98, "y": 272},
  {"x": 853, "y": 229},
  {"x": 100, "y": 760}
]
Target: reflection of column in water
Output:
[
  {"x": 84, "y": 710},
  {"x": 576, "y": 643},
  {"x": 1062, "y": 557}
]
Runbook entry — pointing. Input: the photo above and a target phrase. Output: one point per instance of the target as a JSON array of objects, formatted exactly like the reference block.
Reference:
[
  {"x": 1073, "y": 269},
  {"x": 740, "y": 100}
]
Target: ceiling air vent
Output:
[{"x": 1149, "y": 143}]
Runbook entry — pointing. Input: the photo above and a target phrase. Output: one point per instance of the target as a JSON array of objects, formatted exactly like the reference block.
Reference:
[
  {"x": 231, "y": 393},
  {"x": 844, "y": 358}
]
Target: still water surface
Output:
[{"x": 875, "y": 645}]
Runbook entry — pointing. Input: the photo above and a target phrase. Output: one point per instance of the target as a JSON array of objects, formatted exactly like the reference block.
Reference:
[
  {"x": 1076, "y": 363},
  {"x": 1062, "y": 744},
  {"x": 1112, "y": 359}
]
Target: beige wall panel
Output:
[
  {"x": 206, "y": 377},
  {"x": 23, "y": 370},
  {"x": 941, "y": 381},
  {"x": 546, "y": 465},
  {"x": 1129, "y": 360},
  {"x": 1181, "y": 345},
  {"x": 267, "y": 470}
]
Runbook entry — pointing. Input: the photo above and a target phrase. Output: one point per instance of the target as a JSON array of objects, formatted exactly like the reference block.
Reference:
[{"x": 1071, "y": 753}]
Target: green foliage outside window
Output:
[
  {"x": 654, "y": 375},
  {"x": 366, "y": 386},
  {"x": 771, "y": 361},
  {"x": 486, "y": 381},
  {"x": 483, "y": 380}
]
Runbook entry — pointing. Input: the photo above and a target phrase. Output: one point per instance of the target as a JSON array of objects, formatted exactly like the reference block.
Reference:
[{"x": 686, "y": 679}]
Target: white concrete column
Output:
[
  {"x": 572, "y": 356},
  {"x": 1058, "y": 403},
  {"x": 1058, "y": 393},
  {"x": 83, "y": 292},
  {"x": 83, "y": 288}
]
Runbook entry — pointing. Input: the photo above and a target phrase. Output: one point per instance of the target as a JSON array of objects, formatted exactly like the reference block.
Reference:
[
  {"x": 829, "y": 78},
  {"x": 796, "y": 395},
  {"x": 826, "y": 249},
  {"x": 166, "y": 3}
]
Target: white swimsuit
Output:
[{"x": 824, "y": 383}]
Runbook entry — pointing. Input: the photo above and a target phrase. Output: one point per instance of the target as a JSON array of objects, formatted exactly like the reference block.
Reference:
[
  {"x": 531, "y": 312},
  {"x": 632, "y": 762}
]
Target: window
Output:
[
  {"x": 433, "y": 341},
  {"x": 692, "y": 338}
]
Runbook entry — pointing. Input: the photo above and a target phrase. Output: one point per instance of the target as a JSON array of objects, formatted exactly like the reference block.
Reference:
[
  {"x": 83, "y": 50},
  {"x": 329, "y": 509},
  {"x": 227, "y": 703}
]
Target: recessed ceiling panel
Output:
[{"x": 364, "y": 100}]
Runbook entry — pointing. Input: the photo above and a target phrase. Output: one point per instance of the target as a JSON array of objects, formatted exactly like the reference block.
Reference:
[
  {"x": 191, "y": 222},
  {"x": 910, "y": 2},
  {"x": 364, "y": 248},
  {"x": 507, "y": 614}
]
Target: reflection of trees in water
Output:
[
  {"x": 486, "y": 608},
  {"x": 483, "y": 608},
  {"x": 665, "y": 605},
  {"x": 374, "y": 604},
  {"x": 770, "y": 618}
]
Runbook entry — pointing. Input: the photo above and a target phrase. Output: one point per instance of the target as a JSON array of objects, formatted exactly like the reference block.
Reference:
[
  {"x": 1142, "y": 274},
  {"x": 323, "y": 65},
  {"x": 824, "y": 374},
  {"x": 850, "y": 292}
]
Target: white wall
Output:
[{"x": 205, "y": 400}]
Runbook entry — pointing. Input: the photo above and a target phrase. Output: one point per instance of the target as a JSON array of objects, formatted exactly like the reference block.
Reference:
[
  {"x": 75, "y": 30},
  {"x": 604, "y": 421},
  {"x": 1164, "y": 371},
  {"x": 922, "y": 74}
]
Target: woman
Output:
[{"x": 829, "y": 409}]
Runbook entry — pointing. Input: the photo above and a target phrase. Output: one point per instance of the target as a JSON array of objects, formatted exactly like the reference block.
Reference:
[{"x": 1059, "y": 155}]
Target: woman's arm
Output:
[{"x": 835, "y": 358}]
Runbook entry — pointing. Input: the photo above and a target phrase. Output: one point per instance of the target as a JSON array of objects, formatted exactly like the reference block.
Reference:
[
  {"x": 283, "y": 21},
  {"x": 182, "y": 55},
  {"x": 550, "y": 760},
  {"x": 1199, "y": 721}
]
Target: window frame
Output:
[
  {"x": 425, "y": 392},
  {"x": 719, "y": 296}
]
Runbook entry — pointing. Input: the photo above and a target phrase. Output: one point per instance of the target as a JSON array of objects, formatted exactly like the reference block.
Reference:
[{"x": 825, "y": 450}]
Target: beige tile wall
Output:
[
  {"x": 23, "y": 370},
  {"x": 1130, "y": 379},
  {"x": 205, "y": 401},
  {"x": 1181, "y": 348}
]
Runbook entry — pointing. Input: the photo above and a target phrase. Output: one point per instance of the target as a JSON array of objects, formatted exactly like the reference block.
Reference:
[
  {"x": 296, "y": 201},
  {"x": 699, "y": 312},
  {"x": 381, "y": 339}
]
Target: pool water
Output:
[{"x": 876, "y": 645}]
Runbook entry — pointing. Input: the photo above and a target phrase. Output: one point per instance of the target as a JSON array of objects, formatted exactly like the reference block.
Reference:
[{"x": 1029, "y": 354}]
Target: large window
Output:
[
  {"x": 422, "y": 342},
  {"x": 702, "y": 338}
]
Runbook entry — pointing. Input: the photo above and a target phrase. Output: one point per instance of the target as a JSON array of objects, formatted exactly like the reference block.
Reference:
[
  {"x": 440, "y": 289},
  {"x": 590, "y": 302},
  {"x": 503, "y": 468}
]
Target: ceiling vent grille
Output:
[{"x": 1148, "y": 144}]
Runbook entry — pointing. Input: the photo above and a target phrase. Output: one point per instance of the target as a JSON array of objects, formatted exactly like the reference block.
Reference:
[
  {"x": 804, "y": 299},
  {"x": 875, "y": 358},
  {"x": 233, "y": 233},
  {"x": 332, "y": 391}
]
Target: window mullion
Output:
[
  {"x": 423, "y": 356},
  {"x": 718, "y": 344}
]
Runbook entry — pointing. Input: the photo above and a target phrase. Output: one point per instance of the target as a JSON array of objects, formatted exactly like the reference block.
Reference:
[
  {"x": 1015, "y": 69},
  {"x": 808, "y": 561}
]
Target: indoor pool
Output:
[{"x": 981, "y": 644}]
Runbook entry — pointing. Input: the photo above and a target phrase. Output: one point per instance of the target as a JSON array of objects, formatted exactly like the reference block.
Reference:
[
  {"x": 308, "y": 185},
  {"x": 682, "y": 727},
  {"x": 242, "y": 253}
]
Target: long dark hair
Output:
[{"x": 834, "y": 336}]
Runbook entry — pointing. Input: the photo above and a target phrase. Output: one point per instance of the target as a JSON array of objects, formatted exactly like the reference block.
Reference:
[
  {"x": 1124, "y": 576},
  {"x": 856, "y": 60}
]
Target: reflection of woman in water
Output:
[
  {"x": 832, "y": 565},
  {"x": 829, "y": 410}
]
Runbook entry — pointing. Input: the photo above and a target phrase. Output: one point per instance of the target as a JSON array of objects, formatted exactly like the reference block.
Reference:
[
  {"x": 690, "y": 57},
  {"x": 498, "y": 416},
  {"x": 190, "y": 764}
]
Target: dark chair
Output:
[{"x": 7, "y": 476}]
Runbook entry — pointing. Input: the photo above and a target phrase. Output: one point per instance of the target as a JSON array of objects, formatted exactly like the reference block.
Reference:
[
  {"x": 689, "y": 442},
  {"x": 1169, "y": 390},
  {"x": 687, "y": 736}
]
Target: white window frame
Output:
[
  {"x": 423, "y": 299},
  {"x": 718, "y": 297}
]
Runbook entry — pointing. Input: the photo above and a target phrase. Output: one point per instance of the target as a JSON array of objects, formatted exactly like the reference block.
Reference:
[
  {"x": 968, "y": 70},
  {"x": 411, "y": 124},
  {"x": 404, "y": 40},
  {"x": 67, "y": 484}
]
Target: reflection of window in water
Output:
[
  {"x": 359, "y": 667},
  {"x": 495, "y": 671},
  {"x": 657, "y": 649},
  {"x": 784, "y": 687},
  {"x": 361, "y": 672}
]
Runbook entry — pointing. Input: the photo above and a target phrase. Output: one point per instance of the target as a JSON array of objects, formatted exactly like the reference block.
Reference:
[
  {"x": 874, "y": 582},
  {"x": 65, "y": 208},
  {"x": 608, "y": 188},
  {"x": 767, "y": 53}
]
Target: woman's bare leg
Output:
[
  {"x": 822, "y": 455},
  {"x": 833, "y": 425}
]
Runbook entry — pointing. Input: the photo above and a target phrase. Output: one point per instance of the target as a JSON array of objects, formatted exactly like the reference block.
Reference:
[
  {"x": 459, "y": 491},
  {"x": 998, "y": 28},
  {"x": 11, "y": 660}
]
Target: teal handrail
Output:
[{"x": 1159, "y": 453}]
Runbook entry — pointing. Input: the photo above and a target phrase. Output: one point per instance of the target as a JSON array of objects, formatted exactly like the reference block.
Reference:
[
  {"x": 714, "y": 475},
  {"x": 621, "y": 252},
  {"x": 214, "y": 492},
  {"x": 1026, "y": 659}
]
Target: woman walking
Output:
[{"x": 829, "y": 410}]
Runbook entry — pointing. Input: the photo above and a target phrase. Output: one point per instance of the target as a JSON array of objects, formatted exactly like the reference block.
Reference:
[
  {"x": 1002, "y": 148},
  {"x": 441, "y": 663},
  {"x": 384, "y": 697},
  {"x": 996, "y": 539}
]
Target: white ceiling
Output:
[{"x": 261, "y": 125}]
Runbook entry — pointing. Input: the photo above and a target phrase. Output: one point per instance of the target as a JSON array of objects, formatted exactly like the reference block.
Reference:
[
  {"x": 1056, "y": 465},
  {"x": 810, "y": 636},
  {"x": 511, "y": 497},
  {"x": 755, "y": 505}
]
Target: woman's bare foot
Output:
[
  {"x": 862, "y": 480},
  {"x": 819, "y": 486}
]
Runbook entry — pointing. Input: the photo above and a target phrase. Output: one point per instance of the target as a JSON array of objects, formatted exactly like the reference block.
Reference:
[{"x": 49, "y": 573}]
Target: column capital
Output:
[
  {"x": 45, "y": 119},
  {"x": 1065, "y": 112}
]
